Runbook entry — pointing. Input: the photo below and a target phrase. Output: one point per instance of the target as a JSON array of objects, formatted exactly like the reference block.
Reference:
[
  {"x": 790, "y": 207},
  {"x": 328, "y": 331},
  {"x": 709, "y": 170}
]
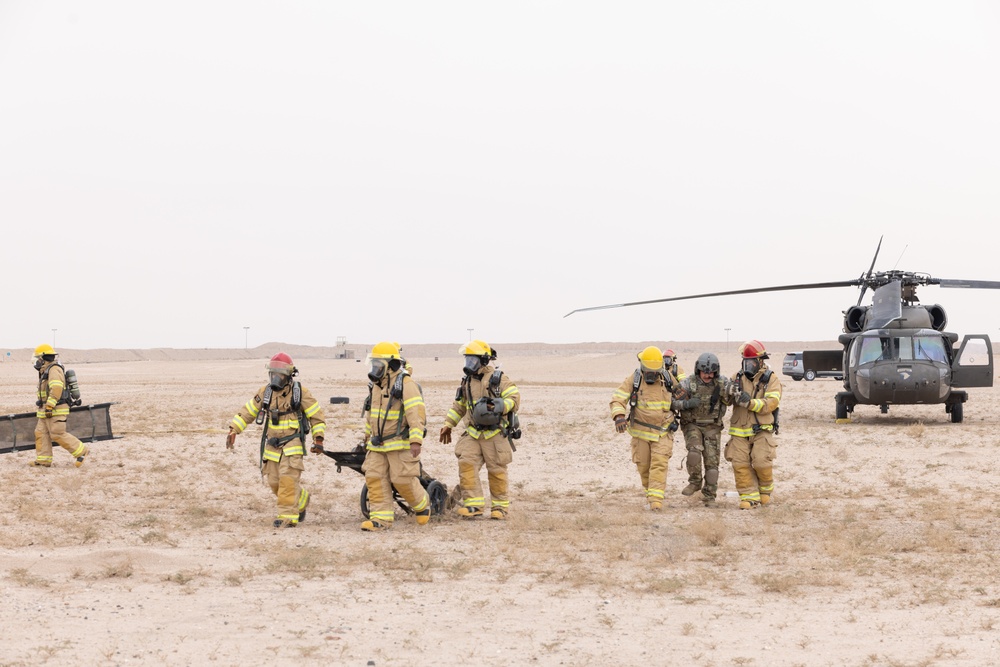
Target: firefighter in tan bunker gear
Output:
[
  {"x": 485, "y": 400},
  {"x": 394, "y": 434},
  {"x": 287, "y": 411},
  {"x": 701, "y": 414},
  {"x": 53, "y": 411},
  {"x": 641, "y": 406},
  {"x": 756, "y": 393}
]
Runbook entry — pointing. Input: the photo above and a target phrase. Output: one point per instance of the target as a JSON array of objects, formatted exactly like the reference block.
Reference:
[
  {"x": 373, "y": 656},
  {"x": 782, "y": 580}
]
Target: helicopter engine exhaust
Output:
[
  {"x": 854, "y": 319},
  {"x": 939, "y": 320}
]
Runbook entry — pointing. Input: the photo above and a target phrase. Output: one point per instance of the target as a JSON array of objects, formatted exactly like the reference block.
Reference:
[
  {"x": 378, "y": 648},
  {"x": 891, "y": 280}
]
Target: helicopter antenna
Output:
[
  {"x": 901, "y": 256},
  {"x": 864, "y": 285}
]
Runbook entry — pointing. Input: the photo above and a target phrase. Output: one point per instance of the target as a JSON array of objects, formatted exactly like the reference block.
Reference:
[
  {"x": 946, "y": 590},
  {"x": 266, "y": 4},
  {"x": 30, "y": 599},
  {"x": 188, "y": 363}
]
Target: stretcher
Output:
[{"x": 355, "y": 458}]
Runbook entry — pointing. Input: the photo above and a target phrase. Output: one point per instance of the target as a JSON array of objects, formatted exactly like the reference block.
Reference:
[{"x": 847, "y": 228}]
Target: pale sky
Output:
[{"x": 172, "y": 172}]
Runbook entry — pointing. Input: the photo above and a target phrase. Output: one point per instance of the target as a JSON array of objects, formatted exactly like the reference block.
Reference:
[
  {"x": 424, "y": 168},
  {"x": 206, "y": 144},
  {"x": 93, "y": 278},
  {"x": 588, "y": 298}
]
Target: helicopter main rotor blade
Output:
[
  {"x": 969, "y": 284},
  {"x": 778, "y": 288},
  {"x": 871, "y": 268}
]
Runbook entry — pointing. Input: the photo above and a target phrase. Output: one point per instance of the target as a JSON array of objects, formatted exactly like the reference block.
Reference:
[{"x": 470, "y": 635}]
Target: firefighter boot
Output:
[
  {"x": 423, "y": 516},
  {"x": 373, "y": 526},
  {"x": 469, "y": 512},
  {"x": 694, "y": 473},
  {"x": 79, "y": 459},
  {"x": 285, "y": 523},
  {"x": 39, "y": 464}
]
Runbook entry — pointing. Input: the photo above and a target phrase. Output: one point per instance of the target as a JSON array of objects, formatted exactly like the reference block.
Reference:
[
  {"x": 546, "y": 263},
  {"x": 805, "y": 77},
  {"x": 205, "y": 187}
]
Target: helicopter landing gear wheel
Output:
[
  {"x": 841, "y": 410},
  {"x": 956, "y": 413},
  {"x": 810, "y": 375}
]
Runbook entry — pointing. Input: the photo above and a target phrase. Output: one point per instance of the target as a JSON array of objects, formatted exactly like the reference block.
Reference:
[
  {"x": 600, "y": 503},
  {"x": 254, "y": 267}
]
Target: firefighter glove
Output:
[
  {"x": 621, "y": 424},
  {"x": 743, "y": 400},
  {"x": 688, "y": 404},
  {"x": 317, "y": 447},
  {"x": 445, "y": 436},
  {"x": 230, "y": 439},
  {"x": 48, "y": 411},
  {"x": 414, "y": 449}
]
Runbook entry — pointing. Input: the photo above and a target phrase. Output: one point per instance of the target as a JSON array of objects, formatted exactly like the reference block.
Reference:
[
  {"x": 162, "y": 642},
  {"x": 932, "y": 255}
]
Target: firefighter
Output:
[
  {"x": 671, "y": 365},
  {"x": 486, "y": 400},
  {"x": 641, "y": 407},
  {"x": 752, "y": 447},
  {"x": 701, "y": 415},
  {"x": 288, "y": 412},
  {"x": 394, "y": 434},
  {"x": 53, "y": 410}
]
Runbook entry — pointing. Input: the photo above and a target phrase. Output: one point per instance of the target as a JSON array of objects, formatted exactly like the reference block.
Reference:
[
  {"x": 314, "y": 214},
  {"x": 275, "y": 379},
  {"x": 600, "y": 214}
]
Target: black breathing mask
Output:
[
  {"x": 751, "y": 367},
  {"x": 378, "y": 370},
  {"x": 278, "y": 381},
  {"x": 473, "y": 365},
  {"x": 651, "y": 376}
]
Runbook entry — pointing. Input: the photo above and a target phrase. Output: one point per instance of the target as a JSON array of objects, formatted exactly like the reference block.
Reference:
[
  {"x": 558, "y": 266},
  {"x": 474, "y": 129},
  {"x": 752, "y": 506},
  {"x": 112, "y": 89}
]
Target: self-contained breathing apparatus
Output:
[
  {"x": 71, "y": 392},
  {"x": 765, "y": 378},
  {"x": 633, "y": 399},
  {"x": 481, "y": 414},
  {"x": 395, "y": 394},
  {"x": 275, "y": 419}
]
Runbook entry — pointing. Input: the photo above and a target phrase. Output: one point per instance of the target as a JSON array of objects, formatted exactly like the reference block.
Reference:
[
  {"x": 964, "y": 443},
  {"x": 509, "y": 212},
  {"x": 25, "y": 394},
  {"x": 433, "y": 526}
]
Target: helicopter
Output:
[{"x": 896, "y": 350}]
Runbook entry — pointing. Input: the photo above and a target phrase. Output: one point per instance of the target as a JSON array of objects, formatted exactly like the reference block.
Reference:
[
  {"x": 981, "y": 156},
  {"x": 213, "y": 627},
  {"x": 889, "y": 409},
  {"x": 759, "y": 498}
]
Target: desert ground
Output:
[{"x": 881, "y": 546}]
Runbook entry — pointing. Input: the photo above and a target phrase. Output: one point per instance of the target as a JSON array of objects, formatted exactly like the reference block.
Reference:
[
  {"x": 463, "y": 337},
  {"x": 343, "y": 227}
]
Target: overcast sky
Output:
[{"x": 173, "y": 172}]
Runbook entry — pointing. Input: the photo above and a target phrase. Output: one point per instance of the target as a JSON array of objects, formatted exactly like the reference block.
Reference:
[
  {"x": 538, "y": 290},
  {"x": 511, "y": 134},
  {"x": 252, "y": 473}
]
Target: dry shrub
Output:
[
  {"x": 313, "y": 561},
  {"x": 709, "y": 532},
  {"x": 122, "y": 569},
  {"x": 916, "y": 429},
  {"x": 22, "y": 577}
]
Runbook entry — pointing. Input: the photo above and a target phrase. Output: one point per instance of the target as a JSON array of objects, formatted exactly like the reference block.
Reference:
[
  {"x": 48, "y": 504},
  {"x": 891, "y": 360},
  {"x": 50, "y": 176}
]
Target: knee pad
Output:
[
  {"x": 694, "y": 460},
  {"x": 712, "y": 476}
]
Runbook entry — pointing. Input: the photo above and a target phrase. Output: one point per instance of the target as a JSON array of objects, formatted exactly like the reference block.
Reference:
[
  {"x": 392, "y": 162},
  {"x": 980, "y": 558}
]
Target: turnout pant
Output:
[
  {"x": 651, "y": 459},
  {"x": 496, "y": 454},
  {"x": 53, "y": 429}
]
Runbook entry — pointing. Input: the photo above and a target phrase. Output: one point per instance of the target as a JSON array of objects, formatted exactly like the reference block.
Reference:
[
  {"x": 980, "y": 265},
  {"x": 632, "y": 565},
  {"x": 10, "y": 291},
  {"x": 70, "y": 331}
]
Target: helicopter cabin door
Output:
[{"x": 973, "y": 365}]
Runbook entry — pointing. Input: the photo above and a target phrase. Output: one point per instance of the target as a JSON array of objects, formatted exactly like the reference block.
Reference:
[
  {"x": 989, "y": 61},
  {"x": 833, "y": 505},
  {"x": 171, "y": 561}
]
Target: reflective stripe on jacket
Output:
[
  {"x": 763, "y": 402},
  {"x": 478, "y": 388},
  {"x": 652, "y": 416},
  {"x": 283, "y": 420},
  {"x": 394, "y": 423},
  {"x": 51, "y": 385}
]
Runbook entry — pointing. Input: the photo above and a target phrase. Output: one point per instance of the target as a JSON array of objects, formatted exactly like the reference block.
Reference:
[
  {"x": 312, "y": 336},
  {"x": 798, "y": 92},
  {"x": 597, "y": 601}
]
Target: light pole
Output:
[
  {"x": 246, "y": 334},
  {"x": 54, "y": 337},
  {"x": 728, "y": 329},
  {"x": 470, "y": 334}
]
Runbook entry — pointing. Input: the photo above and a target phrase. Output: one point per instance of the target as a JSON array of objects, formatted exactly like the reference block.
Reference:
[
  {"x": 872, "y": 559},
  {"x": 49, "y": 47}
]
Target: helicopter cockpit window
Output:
[
  {"x": 872, "y": 348},
  {"x": 904, "y": 348},
  {"x": 929, "y": 348}
]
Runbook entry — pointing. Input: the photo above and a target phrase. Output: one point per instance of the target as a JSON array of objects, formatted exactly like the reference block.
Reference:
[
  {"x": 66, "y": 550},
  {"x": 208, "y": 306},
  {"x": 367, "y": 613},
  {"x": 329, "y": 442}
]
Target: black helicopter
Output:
[{"x": 896, "y": 351}]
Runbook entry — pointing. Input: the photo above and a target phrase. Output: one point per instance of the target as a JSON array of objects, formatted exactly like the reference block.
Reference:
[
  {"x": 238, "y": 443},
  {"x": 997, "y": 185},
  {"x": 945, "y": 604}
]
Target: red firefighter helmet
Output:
[
  {"x": 281, "y": 363},
  {"x": 753, "y": 349}
]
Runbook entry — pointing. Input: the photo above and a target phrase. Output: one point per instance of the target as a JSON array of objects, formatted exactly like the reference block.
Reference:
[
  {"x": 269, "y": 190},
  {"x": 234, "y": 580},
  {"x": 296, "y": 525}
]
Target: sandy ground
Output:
[{"x": 880, "y": 548}]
